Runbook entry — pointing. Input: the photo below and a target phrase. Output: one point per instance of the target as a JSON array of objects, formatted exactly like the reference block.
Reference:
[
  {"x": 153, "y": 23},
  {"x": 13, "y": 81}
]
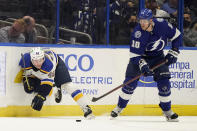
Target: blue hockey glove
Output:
[
  {"x": 171, "y": 56},
  {"x": 38, "y": 102},
  {"x": 144, "y": 68}
]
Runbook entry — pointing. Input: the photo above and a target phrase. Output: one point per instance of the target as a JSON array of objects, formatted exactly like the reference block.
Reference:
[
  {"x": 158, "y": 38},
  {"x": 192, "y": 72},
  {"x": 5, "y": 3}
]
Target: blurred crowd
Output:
[{"x": 89, "y": 17}]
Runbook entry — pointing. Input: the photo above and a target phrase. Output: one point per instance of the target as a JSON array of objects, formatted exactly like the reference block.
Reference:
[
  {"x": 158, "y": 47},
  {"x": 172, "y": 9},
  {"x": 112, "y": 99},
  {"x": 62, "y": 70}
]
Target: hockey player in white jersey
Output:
[{"x": 44, "y": 69}]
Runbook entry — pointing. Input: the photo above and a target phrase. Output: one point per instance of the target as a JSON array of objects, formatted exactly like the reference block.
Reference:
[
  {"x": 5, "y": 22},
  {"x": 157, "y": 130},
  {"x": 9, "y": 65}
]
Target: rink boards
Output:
[{"x": 96, "y": 70}]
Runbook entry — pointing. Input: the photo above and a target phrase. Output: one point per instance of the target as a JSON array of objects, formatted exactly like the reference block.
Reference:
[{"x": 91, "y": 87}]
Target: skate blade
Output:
[
  {"x": 172, "y": 120},
  {"x": 112, "y": 118},
  {"x": 90, "y": 117}
]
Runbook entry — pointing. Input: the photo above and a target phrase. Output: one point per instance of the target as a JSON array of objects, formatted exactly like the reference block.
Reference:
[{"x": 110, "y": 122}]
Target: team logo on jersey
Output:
[
  {"x": 138, "y": 34},
  {"x": 156, "y": 45}
]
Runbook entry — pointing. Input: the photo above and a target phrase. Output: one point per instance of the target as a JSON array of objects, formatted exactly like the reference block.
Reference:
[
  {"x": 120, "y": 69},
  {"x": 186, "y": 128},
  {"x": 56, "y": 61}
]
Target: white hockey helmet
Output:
[{"x": 36, "y": 53}]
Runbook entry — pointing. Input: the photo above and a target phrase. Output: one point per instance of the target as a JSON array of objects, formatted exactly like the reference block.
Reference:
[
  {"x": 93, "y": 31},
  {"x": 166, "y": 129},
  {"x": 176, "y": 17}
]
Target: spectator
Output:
[
  {"x": 191, "y": 13},
  {"x": 190, "y": 32},
  {"x": 30, "y": 32},
  {"x": 13, "y": 34},
  {"x": 132, "y": 22},
  {"x": 122, "y": 20},
  {"x": 153, "y": 5},
  {"x": 170, "y": 6},
  {"x": 191, "y": 4}
]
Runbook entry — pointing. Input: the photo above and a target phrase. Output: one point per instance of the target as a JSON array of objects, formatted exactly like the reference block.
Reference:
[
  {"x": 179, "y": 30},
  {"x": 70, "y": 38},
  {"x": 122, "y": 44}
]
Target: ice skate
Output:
[
  {"x": 170, "y": 116},
  {"x": 88, "y": 113},
  {"x": 116, "y": 112}
]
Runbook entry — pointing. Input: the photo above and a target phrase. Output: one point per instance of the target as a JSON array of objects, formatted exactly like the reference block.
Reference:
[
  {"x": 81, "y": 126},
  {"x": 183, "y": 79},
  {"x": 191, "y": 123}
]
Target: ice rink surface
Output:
[{"x": 100, "y": 123}]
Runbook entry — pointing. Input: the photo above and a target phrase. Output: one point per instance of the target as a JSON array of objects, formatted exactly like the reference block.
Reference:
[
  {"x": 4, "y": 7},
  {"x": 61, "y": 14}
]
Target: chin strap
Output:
[{"x": 148, "y": 26}]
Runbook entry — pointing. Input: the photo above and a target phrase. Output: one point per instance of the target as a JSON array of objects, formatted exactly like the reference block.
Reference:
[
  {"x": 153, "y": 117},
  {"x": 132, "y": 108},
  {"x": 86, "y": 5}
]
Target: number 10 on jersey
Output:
[{"x": 135, "y": 44}]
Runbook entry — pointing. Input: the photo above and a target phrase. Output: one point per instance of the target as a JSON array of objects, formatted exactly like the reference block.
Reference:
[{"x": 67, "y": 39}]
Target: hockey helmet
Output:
[
  {"x": 145, "y": 14},
  {"x": 37, "y": 53}
]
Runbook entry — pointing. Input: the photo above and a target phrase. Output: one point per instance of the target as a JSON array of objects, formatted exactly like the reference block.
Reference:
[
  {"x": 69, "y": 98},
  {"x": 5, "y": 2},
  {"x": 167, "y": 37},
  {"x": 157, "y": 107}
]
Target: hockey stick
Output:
[
  {"x": 29, "y": 87},
  {"x": 94, "y": 99}
]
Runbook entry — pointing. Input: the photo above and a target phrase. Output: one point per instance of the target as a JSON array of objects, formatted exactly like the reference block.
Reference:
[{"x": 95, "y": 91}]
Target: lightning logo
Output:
[{"x": 156, "y": 44}]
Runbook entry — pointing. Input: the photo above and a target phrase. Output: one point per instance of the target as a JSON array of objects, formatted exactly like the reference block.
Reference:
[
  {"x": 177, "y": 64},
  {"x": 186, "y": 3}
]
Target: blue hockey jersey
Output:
[{"x": 144, "y": 43}]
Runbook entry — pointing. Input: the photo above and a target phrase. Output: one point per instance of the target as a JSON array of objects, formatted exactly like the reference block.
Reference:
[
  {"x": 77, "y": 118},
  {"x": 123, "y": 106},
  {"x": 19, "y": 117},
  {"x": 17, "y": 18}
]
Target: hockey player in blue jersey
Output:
[
  {"x": 147, "y": 42},
  {"x": 44, "y": 69}
]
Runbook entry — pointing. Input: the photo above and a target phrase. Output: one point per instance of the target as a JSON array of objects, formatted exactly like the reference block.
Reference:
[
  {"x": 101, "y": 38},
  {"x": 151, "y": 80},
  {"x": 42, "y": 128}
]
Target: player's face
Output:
[
  {"x": 144, "y": 23},
  {"x": 38, "y": 63}
]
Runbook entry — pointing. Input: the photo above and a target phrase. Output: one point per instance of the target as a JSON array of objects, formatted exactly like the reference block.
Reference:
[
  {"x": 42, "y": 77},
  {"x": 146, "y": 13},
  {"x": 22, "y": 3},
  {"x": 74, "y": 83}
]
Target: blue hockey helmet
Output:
[{"x": 145, "y": 14}]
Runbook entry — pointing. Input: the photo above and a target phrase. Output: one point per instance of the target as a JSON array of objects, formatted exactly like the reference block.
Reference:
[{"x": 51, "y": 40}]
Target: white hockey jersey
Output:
[{"x": 47, "y": 72}]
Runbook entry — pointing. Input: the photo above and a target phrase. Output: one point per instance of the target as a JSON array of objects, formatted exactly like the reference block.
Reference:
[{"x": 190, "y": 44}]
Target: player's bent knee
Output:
[
  {"x": 129, "y": 88},
  {"x": 164, "y": 87},
  {"x": 68, "y": 87}
]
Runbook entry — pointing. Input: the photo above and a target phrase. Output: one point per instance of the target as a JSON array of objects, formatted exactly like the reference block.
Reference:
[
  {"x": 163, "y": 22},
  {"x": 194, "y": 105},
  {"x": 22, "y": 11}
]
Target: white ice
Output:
[{"x": 102, "y": 123}]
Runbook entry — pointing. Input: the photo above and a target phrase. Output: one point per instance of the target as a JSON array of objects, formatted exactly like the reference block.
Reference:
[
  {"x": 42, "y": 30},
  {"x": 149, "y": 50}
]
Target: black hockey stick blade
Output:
[{"x": 94, "y": 99}]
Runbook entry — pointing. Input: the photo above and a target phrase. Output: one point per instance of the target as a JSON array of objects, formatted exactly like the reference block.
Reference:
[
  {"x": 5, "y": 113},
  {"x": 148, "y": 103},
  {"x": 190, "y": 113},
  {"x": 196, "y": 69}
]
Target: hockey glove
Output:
[
  {"x": 171, "y": 56},
  {"x": 38, "y": 102},
  {"x": 144, "y": 68},
  {"x": 30, "y": 88}
]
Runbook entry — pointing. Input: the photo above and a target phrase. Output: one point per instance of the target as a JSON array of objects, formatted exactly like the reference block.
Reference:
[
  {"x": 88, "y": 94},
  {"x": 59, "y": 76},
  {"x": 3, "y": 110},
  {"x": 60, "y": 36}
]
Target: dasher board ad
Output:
[
  {"x": 2, "y": 73},
  {"x": 96, "y": 71}
]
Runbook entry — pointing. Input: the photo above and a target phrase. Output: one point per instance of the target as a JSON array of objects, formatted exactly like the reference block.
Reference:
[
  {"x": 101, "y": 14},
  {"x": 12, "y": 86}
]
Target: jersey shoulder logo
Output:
[
  {"x": 51, "y": 74},
  {"x": 138, "y": 34}
]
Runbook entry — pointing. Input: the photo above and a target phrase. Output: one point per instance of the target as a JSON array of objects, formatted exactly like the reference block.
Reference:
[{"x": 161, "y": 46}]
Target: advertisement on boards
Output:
[{"x": 2, "y": 73}]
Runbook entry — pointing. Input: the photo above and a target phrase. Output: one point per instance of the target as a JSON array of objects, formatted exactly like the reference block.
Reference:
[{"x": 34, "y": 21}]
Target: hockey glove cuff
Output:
[
  {"x": 171, "y": 56},
  {"x": 144, "y": 68},
  {"x": 38, "y": 102}
]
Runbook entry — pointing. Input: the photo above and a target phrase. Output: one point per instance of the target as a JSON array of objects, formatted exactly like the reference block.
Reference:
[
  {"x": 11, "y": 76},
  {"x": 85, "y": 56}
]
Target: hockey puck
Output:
[{"x": 78, "y": 120}]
